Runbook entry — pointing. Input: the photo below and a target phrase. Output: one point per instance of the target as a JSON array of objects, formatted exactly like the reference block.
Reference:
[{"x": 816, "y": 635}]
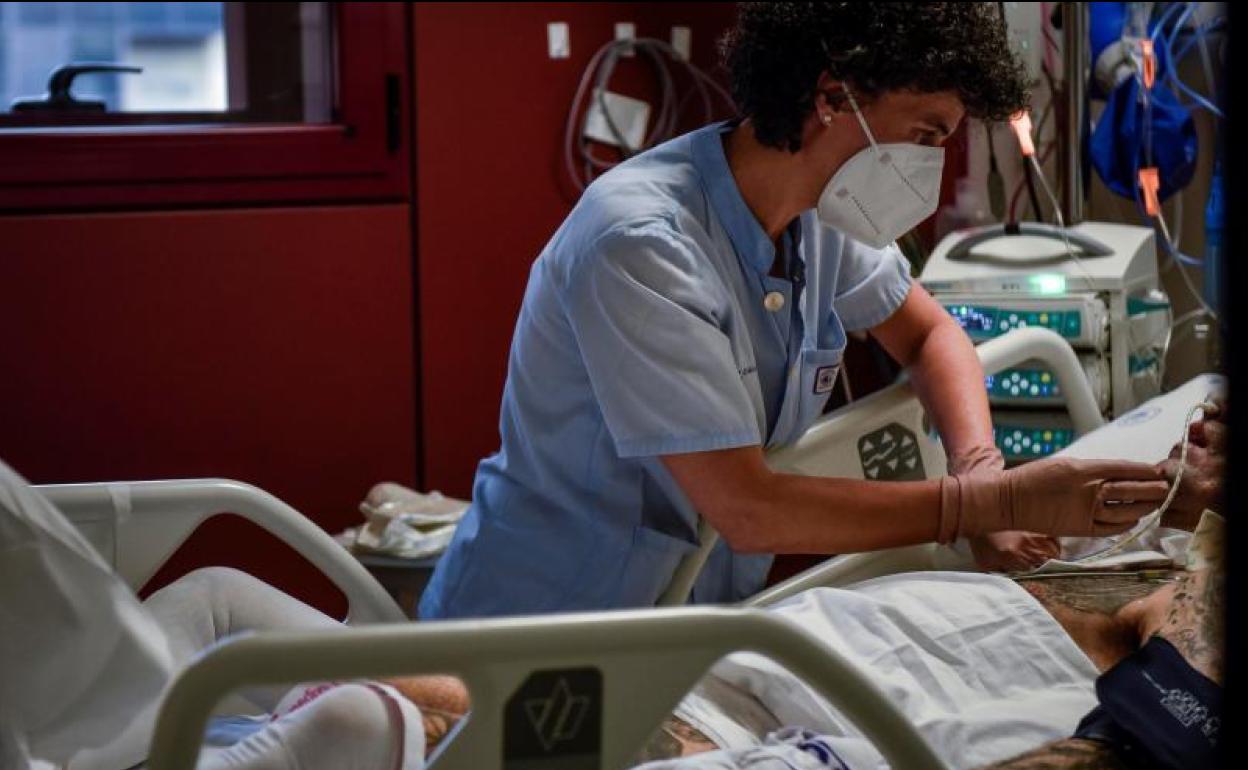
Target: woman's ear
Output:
[{"x": 829, "y": 97}]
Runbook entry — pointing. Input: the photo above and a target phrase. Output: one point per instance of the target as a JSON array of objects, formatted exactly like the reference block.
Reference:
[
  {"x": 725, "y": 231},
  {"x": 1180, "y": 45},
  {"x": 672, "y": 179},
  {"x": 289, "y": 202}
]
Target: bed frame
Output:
[{"x": 562, "y": 691}]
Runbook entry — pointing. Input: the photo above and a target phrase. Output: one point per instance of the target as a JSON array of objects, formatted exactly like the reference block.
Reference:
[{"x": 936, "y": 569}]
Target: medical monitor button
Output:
[{"x": 774, "y": 301}]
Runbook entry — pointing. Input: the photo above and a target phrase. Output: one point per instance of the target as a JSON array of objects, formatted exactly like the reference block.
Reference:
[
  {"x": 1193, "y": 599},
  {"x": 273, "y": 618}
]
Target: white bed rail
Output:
[
  {"x": 827, "y": 449},
  {"x": 138, "y": 525},
  {"x": 832, "y": 432},
  {"x": 646, "y": 659}
]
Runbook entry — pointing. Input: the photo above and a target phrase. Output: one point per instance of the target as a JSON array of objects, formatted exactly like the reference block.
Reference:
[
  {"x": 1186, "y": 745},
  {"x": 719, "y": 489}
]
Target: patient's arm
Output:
[
  {"x": 1190, "y": 614},
  {"x": 1093, "y": 610}
]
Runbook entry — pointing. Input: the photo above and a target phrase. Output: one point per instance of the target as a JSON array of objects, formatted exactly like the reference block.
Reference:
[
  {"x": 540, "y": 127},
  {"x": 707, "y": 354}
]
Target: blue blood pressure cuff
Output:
[{"x": 1156, "y": 712}]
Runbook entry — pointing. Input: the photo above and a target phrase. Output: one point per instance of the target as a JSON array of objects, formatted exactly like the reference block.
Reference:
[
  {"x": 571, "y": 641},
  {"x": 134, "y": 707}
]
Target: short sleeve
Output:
[
  {"x": 871, "y": 284},
  {"x": 644, "y": 307}
]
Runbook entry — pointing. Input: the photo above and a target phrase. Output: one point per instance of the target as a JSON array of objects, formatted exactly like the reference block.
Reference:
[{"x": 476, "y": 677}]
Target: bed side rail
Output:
[
  {"x": 832, "y": 448},
  {"x": 613, "y": 674},
  {"x": 137, "y": 525}
]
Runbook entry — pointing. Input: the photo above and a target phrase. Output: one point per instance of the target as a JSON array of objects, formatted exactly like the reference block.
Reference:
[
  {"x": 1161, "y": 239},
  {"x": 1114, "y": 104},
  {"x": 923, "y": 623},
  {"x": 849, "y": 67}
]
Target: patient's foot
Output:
[{"x": 442, "y": 700}]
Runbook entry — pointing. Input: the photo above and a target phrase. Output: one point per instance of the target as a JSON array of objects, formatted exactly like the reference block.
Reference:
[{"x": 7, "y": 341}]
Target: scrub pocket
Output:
[
  {"x": 651, "y": 563},
  {"x": 819, "y": 370}
]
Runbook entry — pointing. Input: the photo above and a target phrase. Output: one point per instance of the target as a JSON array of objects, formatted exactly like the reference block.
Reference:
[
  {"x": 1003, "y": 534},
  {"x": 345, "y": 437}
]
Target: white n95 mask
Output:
[{"x": 883, "y": 190}]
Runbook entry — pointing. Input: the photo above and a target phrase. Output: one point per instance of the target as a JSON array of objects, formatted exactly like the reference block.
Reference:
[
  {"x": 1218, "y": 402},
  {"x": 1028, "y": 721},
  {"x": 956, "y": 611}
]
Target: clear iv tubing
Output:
[
  {"x": 1153, "y": 520},
  {"x": 1172, "y": 74},
  {"x": 1061, "y": 222}
]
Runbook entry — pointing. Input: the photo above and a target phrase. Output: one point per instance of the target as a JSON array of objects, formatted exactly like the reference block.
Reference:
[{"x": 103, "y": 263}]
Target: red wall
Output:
[
  {"x": 276, "y": 345},
  {"x": 271, "y": 346},
  {"x": 490, "y": 113}
]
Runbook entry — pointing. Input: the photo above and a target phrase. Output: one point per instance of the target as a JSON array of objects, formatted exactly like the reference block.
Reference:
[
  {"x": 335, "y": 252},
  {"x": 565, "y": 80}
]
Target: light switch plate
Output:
[
  {"x": 682, "y": 42},
  {"x": 558, "y": 40},
  {"x": 626, "y": 30}
]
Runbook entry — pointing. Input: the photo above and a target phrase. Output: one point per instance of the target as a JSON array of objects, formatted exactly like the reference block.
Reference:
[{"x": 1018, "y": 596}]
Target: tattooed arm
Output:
[
  {"x": 1093, "y": 610},
  {"x": 1190, "y": 614}
]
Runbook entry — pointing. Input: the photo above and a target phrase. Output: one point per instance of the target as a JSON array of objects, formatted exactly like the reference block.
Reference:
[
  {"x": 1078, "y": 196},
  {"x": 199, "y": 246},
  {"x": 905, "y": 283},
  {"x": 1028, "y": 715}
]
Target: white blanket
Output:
[{"x": 974, "y": 662}]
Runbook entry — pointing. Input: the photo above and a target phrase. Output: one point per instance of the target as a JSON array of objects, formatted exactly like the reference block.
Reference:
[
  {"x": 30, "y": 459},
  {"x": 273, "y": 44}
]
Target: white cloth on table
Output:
[{"x": 973, "y": 661}]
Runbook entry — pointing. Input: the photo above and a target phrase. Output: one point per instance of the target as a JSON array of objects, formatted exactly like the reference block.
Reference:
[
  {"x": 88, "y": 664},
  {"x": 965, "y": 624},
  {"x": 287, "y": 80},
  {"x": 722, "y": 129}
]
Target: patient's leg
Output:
[
  {"x": 349, "y": 727},
  {"x": 1091, "y": 609},
  {"x": 208, "y": 605}
]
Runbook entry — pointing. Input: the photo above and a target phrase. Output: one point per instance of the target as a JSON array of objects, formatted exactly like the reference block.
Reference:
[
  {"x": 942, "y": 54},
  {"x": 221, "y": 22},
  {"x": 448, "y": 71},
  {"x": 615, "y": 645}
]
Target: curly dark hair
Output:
[{"x": 777, "y": 51}]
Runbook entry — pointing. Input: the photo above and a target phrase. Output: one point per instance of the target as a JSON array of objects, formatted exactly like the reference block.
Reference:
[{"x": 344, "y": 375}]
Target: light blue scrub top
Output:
[{"x": 643, "y": 332}]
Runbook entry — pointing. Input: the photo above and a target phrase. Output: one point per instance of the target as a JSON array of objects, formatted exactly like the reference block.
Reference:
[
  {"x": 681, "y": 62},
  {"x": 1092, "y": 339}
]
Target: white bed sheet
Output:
[{"x": 974, "y": 661}]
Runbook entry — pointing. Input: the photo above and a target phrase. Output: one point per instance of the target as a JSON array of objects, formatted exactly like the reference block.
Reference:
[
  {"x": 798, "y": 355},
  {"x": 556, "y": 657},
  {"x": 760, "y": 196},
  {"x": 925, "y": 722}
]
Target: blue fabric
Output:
[
  {"x": 1119, "y": 144},
  {"x": 1157, "y": 711},
  {"x": 643, "y": 333},
  {"x": 231, "y": 729}
]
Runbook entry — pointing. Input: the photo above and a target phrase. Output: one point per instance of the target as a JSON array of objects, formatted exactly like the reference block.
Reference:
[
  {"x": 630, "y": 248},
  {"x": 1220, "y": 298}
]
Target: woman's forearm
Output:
[
  {"x": 944, "y": 368},
  {"x": 806, "y": 514},
  {"x": 950, "y": 383}
]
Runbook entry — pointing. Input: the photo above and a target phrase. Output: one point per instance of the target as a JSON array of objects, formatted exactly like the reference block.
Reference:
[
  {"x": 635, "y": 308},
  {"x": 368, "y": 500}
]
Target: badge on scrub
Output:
[{"x": 825, "y": 378}]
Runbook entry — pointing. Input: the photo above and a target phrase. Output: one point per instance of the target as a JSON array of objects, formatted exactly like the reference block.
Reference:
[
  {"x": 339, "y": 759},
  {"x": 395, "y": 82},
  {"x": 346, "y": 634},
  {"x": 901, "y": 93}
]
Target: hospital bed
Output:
[{"x": 614, "y": 675}]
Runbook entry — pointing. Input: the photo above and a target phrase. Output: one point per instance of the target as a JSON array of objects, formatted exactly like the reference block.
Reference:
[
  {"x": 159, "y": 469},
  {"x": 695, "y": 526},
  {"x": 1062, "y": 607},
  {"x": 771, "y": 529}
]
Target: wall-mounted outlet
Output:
[
  {"x": 626, "y": 30},
  {"x": 558, "y": 40},
  {"x": 682, "y": 42}
]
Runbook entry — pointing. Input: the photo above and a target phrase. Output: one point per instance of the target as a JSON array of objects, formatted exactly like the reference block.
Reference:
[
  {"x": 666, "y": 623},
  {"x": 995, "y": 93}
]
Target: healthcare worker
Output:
[{"x": 692, "y": 312}]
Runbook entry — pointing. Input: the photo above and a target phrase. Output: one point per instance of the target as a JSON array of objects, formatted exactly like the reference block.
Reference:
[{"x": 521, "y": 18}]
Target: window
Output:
[
  {"x": 220, "y": 62},
  {"x": 212, "y": 94}
]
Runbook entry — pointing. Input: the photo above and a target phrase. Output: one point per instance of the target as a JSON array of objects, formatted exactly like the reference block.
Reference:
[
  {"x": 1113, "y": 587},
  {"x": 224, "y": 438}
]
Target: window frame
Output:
[{"x": 127, "y": 164}]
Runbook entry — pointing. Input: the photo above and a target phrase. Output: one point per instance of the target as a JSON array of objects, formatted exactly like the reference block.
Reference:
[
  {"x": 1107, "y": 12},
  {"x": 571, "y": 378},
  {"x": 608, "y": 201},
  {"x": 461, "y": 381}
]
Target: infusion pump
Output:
[{"x": 1107, "y": 304}]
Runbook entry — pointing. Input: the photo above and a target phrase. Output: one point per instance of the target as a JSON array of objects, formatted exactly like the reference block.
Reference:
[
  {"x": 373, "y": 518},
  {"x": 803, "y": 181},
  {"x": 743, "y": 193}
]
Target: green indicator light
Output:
[{"x": 1048, "y": 283}]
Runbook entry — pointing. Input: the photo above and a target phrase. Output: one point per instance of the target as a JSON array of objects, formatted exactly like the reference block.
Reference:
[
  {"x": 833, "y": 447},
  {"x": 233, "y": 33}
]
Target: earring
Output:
[{"x": 827, "y": 119}]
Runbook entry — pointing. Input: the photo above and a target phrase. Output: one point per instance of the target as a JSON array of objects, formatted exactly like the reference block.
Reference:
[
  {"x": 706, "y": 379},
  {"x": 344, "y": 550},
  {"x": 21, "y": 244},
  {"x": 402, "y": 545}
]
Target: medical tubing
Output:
[
  {"x": 1045, "y": 153},
  {"x": 1153, "y": 520},
  {"x": 1179, "y": 263},
  {"x": 1061, "y": 223},
  {"x": 1172, "y": 75},
  {"x": 1179, "y": 259},
  {"x": 1030, "y": 182}
]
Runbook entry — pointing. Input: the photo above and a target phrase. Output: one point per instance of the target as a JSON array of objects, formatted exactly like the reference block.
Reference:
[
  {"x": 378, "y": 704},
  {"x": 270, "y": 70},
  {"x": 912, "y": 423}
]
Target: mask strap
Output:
[{"x": 861, "y": 120}]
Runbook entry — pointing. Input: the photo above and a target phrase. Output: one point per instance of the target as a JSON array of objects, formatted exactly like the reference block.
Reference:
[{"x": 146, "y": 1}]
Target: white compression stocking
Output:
[
  {"x": 369, "y": 727},
  {"x": 208, "y": 605},
  {"x": 347, "y": 727}
]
